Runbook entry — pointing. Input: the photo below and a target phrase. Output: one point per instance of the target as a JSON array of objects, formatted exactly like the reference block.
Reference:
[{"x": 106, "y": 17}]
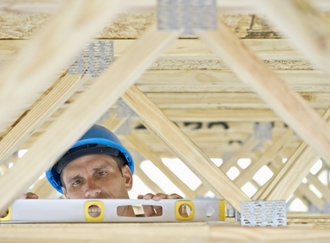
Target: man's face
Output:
[{"x": 96, "y": 176}]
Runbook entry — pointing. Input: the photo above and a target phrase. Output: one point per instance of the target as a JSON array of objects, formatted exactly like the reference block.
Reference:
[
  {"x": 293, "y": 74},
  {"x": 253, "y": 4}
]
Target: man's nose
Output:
[{"x": 92, "y": 189}]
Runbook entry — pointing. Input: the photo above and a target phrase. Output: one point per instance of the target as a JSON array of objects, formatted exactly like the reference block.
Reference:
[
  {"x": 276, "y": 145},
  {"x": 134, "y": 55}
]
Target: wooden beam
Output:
[
  {"x": 224, "y": 6},
  {"x": 34, "y": 68},
  {"x": 240, "y": 100},
  {"x": 39, "y": 112},
  {"x": 307, "y": 27},
  {"x": 215, "y": 115},
  {"x": 292, "y": 108},
  {"x": 308, "y": 218},
  {"x": 116, "y": 232},
  {"x": 185, "y": 149},
  {"x": 269, "y": 234},
  {"x": 52, "y": 6},
  {"x": 315, "y": 231},
  {"x": 302, "y": 81},
  {"x": 93, "y": 103},
  {"x": 222, "y": 114},
  {"x": 192, "y": 49},
  {"x": 183, "y": 49}
]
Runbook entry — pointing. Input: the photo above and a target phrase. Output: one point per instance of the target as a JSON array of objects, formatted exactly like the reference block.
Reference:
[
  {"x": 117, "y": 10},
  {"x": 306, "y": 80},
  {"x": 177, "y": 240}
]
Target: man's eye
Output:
[
  {"x": 76, "y": 183},
  {"x": 102, "y": 173}
]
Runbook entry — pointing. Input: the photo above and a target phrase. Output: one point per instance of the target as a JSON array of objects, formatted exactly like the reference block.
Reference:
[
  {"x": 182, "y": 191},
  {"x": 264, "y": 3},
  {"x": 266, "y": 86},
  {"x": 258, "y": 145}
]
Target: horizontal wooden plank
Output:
[
  {"x": 192, "y": 54},
  {"x": 308, "y": 81},
  {"x": 163, "y": 232},
  {"x": 268, "y": 234},
  {"x": 268, "y": 49},
  {"x": 201, "y": 100},
  {"x": 50, "y": 6}
]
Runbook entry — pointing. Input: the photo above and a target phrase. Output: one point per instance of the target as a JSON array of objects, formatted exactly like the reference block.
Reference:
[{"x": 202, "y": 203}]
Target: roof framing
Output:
[{"x": 28, "y": 75}]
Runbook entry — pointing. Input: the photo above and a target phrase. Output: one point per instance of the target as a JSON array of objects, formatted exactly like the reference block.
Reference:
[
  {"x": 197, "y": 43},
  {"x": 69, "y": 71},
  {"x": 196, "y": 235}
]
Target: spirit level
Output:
[{"x": 105, "y": 210}]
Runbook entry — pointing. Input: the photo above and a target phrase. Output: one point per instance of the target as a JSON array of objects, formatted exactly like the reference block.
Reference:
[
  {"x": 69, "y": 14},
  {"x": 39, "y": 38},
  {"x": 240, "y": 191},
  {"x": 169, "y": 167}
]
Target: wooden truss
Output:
[{"x": 44, "y": 109}]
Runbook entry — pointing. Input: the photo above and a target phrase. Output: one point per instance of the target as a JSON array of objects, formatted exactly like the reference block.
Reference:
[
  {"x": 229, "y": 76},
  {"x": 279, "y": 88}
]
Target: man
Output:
[{"x": 98, "y": 166}]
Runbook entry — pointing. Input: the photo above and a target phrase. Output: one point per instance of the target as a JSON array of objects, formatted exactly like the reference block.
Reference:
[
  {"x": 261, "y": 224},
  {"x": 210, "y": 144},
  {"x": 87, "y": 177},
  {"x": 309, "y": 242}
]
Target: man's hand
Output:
[{"x": 150, "y": 210}]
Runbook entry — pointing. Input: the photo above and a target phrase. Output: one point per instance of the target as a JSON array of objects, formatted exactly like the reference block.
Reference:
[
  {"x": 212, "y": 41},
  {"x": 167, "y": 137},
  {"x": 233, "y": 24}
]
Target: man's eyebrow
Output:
[
  {"x": 96, "y": 169},
  {"x": 101, "y": 167}
]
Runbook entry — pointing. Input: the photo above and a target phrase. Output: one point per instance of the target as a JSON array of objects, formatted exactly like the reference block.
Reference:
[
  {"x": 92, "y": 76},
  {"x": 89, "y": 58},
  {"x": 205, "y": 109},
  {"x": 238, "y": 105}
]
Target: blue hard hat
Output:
[{"x": 97, "y": 140}]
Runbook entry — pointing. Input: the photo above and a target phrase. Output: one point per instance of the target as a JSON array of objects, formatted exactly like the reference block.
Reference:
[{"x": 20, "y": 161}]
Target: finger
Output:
[
  {"x": 147, "y": 196},
  {"x": 31, "y": 195},
  {"x": 174, "y": 196},
  {"x": 160, "y": 196}
]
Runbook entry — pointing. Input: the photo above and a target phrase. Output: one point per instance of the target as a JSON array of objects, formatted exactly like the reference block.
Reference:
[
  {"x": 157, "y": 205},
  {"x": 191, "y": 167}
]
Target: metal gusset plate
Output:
[
  {"x": 93, "y": 59},
  {"x": 187, "y": 15},
  {"x": 263, "y": 213}
]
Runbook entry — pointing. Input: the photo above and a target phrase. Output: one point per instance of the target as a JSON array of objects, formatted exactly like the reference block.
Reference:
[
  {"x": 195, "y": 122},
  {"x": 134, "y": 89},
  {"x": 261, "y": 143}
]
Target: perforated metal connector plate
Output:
[
  {"x": 93, "y": 59},
  {"x": 263, "y": 213},
  {"x": 187, "y": 15}
]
